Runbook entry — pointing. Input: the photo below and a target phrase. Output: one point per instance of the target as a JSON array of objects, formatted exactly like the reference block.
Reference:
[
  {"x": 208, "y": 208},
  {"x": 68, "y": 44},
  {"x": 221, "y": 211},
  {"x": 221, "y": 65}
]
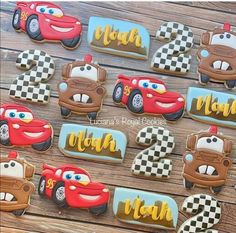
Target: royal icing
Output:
[
  {"x": 72, "y": 186},
  {"x": 81, "y": 90},
  {"x": 47, "y": 21},
  {"x": 206, "y": 161},
  {"x": 148, "y": 95},
  {"x": 212, "y": 106},
  {"x": 118, "y": 37},
  {"x": 145, "y": 208},
  {"x": 94, "y": 143},
  {"x": 217, "y": 56}
]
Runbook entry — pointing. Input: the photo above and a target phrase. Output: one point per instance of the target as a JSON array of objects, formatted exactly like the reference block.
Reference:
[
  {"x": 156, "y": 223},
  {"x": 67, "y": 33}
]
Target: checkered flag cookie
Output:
[
  {"x": 209, "y": 216},
  {"x": 152, "y": 161},
  {"x": 171, "y": 57},
  {"x": 28, "y": 86}
]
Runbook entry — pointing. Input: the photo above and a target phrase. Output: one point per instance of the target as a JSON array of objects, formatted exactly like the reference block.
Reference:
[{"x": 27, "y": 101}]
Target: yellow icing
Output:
[
  {"x": 142, "y": 211},
  {"x": 98, "y": 144},
  {"x": 123, "y": 38},
  {"x": 211, "y": 105}
]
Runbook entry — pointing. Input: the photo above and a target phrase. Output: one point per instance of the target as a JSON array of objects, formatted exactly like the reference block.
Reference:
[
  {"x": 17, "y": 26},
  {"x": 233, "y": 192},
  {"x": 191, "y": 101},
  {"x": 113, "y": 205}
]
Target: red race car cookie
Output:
[
  {"x": 46, "y": 21},
  {"x": 68, "y": 185},
  {"x": 18, "y": 127},
  {"x": 148, "y": 95}
]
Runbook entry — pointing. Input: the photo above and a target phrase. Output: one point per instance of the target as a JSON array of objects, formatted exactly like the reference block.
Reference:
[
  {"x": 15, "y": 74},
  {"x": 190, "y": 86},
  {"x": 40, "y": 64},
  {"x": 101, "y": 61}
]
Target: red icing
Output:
[
  {"x": 23, "y": 128},
  {"x": 77, "y": 182},
  {"x": 88, "y": 58},
  {"x": 227, "y": 27},
  {"x": 12, "y": 155},
  {"x": 213, "y": 129}
]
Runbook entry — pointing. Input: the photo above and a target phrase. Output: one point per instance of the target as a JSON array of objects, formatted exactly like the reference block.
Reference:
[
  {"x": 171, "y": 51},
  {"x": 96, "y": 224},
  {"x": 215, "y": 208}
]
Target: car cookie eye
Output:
[
  {"x": 50, "y": 11},
  {"x": 81, "y": 178},
  {"x": 158, "y": 87},
  {"x": 12, "y": 169},
  {"x": 228, "y": 36},
  {"x": 22, "y": 115},
  {"x": 55, "y": 12},
  {"x": 82, "y": 68},
  {"x": 222, "y": 36},
  {"x": 10, "y": 113},
  {"x": 211, "y": 143},
  {"x": 144, "y": 83},
  {"x": 25, "y": 116},
  {"x": 68, "y": 175},
  {"x": 88, "y": 68},
  {"x": 77, "y": 177},
  {"x": 225, "y": 39},
  {"x": 154, "y": 86},
  {"x": 42, "y": 9}
]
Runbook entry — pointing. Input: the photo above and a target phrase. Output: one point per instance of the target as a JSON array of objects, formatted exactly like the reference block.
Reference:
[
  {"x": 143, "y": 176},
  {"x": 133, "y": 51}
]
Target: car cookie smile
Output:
[
  {"x": 221, "y": 65},
  {"x": 6, "y": 196},
  {"x": 88, "y": 197},
  {"x": 165, "y": 105},
  {"x": 207, "y": 170},
  {"x": 60, "y": 29},
  {"x": 83, "y": 98},
  {"x": 33, "y": 135}
]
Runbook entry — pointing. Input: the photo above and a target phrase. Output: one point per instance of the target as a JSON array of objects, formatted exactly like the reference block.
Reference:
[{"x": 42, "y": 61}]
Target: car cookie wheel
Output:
[
  {"x": 216, "y": 190},
  {"x": 33, "y": 28},
  {"x": 135, "y": 102},
  {"x": 16, "y": 19},
  {"x": 58, "y": 194},
  {"x": 204, "y": 79},
  {"x": 92, "y": 116},
  {"x": 174, "y": 116},
  {"x": 188, "y": 184},
  {"x": 18, "y": 212},
  {"x": 4, "y": 134},
  {"x": 98, "y": 209},
  {"x": 71, "y": 43},
  {"x": 230, "y": 84},
  {"x": 118, "y": 93},
  {"x": 42, "y": 186},
  {"x": 65, "y": 112},
  {"x": 43, "y": 146}
]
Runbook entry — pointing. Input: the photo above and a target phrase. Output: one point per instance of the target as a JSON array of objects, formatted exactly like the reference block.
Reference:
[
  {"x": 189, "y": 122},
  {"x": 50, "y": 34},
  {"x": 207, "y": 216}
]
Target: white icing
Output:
[
  {"x": 230, "y": 42},
  {"x": 217, "y": 146},
  {"x": 74, "y": 176},
  {"x": 7, "y": 169},
  {"x": 19, "y": 115},
  {"x": 150, "y": 85},
  {"x": 86, "y": 72},
  {"x": 1, "y": 111},
  {"x": 47, "y": 10}
]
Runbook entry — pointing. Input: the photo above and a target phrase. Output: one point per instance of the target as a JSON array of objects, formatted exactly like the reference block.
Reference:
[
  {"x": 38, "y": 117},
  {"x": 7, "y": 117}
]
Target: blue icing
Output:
[
  {"x": 189, "y": 157},
  {"x": 62, "y": 86},
  {"x": 121, "y": 194},
  {"x": 194, "y": 92},
  {"x": 121, "y": 141},
  {"x": 122, "y": 26},
  {"x": 204, "y": 53}
]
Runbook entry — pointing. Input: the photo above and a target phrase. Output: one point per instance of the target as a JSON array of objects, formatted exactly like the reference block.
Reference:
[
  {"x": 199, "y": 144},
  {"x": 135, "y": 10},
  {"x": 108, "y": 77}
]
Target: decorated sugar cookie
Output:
[
  {"x": 92, "y": 143},
  {"x": 145, "y": 208},
  {"x": 207, "y": 213},
  {"x": 81, "y": 90},
  {"x": 118, "y": 37},
  {"x": 206, "y": 161},
  {"x": 212, "y": 107},
  {"x": 15, "y": 187},
  {"x": 31, "y": 85},
  {"x": 152, "y": 161},
  {"x": 172, "y": 57},
  {"x": 217, "y": 56},
  {"x": 45, "y": 21},
  {"x": 147, "y": 95},
  {"x": 18, "y": 127},
  {"x": 71, "y": 186}
]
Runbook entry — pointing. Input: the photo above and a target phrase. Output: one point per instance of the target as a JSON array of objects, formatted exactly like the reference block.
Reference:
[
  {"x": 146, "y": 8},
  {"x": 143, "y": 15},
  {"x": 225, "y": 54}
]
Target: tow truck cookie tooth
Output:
[
  {"x": 148, "y": 95},
  {"x": 81, "y": 90},
  {"x": 206, "y": 161},
  {"x": 15, "y": 187},
  {"x": 45, "y": 21},
  {"x": 145, "y": 208},
  {"x": 19, "y": 127},
  {"x": 217, "y": 56},
  {"x": 69, "y": 186}
]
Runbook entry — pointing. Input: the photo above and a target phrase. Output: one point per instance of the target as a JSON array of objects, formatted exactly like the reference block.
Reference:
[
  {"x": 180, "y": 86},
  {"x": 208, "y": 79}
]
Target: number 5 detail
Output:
[
  {"x": 152, "y": 161},
  {"x": 30, "y": 86},
  {"x": 170, "y": 58}
]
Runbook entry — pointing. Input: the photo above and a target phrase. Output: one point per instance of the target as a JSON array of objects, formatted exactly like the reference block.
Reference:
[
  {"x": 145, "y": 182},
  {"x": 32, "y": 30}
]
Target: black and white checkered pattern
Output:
[
  {"x": 171, "y": 57},
  {"x": 28, "y": 86},
  {"x": 209, "y": 216},
  {"x": 151, "y": 161}
]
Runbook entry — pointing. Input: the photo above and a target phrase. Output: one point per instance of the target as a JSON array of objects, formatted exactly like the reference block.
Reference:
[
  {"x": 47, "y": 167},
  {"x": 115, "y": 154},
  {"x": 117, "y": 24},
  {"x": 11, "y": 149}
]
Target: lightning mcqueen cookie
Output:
[
  {"x": 148, "y": 95},
  {"x": 68, "y": 185},
  {"x": 18, "y": 127},
  {"x": 46, "y": 21}
]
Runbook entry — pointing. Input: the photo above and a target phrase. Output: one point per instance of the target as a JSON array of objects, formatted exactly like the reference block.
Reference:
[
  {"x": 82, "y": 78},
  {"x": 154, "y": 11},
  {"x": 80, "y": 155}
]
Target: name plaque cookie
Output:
[
  {"x": 118, "y": 37},
  {"x": 88, "y": 142},
  {"x": 145, "y": 208},
  {"x": 212, "y": 107}
]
